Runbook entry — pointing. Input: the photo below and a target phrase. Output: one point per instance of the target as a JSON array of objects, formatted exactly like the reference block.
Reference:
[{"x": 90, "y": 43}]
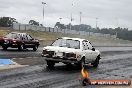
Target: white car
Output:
[{"x": 71, "y": 50}]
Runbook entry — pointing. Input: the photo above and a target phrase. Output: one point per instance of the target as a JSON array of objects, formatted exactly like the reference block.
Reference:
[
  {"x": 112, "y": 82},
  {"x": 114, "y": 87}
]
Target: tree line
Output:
[
  {"x": 122, "y": 33},
  {"x": 8, "y": 22}
]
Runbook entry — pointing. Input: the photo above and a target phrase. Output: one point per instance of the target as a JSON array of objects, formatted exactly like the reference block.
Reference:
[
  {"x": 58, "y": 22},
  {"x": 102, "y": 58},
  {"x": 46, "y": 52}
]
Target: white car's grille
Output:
[
  {"x": 69, "y": 55},
  {"x": 62, "y": 55}
]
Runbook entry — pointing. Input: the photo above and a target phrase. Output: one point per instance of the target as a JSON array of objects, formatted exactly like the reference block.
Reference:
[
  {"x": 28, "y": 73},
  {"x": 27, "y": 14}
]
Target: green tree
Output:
[
  {"x": 33, "y": 22},
  {"x": 41, "y": 25},
  {"x": 7, "y": 21},
  {"x": 59, "y": 25}
]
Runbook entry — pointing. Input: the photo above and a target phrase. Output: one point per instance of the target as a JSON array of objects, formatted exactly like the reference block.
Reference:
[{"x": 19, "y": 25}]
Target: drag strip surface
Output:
[
  {"x": 116, "y": 64},
  {"x": 14, "y": 53}
]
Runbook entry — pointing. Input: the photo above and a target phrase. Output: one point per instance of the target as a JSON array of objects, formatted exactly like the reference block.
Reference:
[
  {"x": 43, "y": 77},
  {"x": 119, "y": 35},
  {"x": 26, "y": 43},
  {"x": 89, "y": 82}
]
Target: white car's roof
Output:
[{"x": 79, "y": 39}]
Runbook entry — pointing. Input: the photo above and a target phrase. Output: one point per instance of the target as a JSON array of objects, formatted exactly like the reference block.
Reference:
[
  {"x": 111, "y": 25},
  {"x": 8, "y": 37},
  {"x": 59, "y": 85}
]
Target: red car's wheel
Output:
[
  {"x": 4, "y": 47},
  {"x": 20, "y": 47},
  {"x": 35, "y": 47}
]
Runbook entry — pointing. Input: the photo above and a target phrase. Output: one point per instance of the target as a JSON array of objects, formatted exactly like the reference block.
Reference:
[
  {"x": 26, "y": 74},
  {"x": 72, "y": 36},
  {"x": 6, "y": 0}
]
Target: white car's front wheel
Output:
[
  {"x": 81, "y": 63},
  {"x": 50, "y": 63}
]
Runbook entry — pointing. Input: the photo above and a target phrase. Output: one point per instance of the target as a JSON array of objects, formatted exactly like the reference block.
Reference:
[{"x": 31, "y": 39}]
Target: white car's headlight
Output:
[
  {"x": 44, "y": 51},
  {"x": 78, "y": 56},
  {"x": 44, "y": 48}
]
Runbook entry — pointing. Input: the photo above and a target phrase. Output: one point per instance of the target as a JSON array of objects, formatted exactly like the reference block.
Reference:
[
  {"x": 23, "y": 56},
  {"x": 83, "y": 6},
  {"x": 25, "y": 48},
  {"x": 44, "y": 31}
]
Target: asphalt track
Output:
[{"x": 116, "y": 63}]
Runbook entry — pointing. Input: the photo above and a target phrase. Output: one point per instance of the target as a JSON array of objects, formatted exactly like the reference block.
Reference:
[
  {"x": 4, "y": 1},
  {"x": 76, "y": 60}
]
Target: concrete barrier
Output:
[{"x": 18, "y": 26}]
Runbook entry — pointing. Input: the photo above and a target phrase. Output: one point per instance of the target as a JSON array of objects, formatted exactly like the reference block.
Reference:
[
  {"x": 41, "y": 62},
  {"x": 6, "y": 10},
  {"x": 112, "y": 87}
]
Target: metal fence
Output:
[{"x": 25, "y": 27}]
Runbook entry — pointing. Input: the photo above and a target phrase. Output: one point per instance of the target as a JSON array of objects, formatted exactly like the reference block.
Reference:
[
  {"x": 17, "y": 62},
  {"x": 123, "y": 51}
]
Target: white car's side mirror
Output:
[{"x": 93, "y": 49}]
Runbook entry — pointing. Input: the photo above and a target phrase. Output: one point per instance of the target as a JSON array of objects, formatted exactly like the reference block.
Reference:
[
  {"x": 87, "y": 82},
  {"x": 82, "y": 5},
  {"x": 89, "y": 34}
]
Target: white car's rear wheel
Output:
[
  {"x": 96, "y": 62},
  {"x": 82, "y": 63}
]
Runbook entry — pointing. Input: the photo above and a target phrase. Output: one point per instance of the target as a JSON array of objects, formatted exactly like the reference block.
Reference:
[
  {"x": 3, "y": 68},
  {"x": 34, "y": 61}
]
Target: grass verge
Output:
[{"x": 47, "y": 37}]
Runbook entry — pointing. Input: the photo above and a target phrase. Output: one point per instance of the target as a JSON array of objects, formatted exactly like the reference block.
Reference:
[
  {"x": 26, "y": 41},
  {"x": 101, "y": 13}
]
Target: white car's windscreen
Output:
[{"x": 67, "y": 43}]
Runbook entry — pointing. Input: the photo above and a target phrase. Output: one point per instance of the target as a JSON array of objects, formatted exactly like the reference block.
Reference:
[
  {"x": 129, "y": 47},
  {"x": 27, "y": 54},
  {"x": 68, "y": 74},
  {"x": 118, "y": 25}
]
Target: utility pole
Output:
[
  {"x": 96, "y": 23},
  {"x": 116, "y": 34},
  {"x": 43, "y": 3}
]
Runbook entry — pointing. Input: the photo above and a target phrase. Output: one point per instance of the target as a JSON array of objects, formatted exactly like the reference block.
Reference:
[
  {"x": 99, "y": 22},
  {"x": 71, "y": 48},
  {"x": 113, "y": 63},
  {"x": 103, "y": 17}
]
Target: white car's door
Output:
[
  {"x": 87, "y": 52},
  {"x": 94, "y": 53}
]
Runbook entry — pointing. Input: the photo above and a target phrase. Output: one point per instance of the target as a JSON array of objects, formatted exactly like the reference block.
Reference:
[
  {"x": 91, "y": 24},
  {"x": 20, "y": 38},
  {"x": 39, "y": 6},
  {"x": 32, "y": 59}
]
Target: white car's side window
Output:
[
  {"x": 85, "y": 46},
  {"x": 90, "y": 46}
]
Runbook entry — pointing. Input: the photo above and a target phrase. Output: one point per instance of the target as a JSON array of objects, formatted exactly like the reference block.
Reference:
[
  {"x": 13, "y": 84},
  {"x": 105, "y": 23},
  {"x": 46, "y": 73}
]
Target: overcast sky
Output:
[{"x": 110, "y": 13}]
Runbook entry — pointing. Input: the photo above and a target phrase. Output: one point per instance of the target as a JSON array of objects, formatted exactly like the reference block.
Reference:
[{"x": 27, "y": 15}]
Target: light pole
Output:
[
  {"x": 43, "y": 3},
  {"x": 80, "y": 17},
  {"x": 71, "y": 22},
  {"x": 80, "y": 22},
  {"x": 71, "y": 16}
]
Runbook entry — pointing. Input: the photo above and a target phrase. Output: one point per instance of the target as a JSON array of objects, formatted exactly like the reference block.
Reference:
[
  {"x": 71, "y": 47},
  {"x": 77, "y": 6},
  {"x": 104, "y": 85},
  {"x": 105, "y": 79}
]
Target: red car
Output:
[{"x": 19, "y": 40}]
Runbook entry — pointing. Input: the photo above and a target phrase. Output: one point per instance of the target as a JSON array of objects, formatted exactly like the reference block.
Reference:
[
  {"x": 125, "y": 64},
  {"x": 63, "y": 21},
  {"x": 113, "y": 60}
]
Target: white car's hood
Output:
[{"x": 61, "y": 49}]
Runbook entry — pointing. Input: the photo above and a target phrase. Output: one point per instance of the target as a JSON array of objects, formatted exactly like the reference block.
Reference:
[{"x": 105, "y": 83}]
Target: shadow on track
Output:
[
  {"x": 69, "y": 69},
  {"x": 16, "y": 50}
]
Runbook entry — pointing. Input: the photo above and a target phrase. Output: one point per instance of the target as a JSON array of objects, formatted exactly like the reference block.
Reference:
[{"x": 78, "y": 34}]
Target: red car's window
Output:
[{"x": 12, "y": 36}]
